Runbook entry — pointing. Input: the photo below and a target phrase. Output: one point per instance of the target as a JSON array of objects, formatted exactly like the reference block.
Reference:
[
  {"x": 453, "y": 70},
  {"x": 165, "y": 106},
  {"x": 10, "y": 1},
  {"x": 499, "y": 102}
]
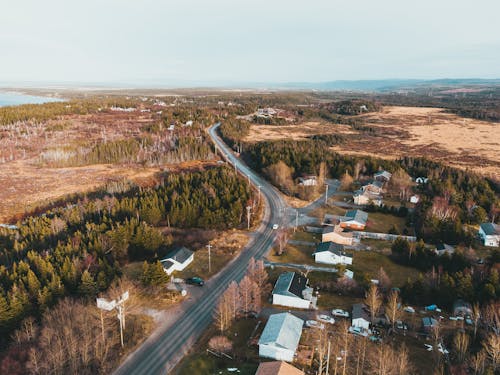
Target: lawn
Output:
[
  {"x": 382, "y": 223},
  {"x": 245, "y": 356},
  {"x": 301, "y": 235},
  {"x": 368, "y": 263},
  {"x": 297, "y": 254}
]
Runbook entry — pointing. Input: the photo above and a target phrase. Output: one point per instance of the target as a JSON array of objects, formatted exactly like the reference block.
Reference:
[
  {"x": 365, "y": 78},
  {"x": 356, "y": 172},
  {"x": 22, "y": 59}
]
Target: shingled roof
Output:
[
  {"x": 290, "y": 284},
  {"x": 179, "y": 255},
  {"x": 332, "y": 247},
  {"x": 283, "y": 330}
]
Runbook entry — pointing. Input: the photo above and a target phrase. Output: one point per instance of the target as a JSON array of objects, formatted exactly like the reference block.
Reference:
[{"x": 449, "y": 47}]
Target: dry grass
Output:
[
  {"x": 297, "y": 131},
  {"x": 414, "y": 131}
]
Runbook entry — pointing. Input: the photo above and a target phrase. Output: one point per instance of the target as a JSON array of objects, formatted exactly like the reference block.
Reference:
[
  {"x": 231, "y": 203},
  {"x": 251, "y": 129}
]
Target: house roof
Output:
[
  {"x": 490, "y": 229},
  {"x": 283, "y": 330},
  {"x": 328, "y": 229},
  {"x": 429, "y": 322},
  {"x": 290, "y": 284},
  {"x": 332, "y": 247},
  {"x": 375, "y": 183},
  {"x": 277, "y": 368},
  {"x": 166, "y": 263},
  {"x": 384, "y": 174},
  {"x": 358, "y": 215},
  {"x": 359, "y": 310},
  {"x": 179, "y": 255},
  {"x": 459, "y": 303}
]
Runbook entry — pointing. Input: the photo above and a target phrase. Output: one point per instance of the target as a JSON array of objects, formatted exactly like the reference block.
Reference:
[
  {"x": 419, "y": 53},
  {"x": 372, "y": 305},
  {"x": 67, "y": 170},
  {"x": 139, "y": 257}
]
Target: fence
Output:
[{"x": 382, "y": 236}]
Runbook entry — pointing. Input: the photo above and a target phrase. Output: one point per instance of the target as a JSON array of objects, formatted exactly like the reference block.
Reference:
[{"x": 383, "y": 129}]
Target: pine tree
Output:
[
  {"x": 5, "y": 314},
  {"x": 88, "y": 286}
]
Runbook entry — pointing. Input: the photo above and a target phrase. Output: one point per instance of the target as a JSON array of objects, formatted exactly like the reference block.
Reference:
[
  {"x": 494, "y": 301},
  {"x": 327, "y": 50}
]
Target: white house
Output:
[
  {"x": 360, "y": 316},
  {"x": 490, "y": 234},
  {"x": 362, "y": 198},
  {"x": 383, "y": 176},
  {"x": 308, "y": 180},
  {"x": 336, "y": 234},
  {"x": 374, "y": 187},
  {"x": 421, "y": 180},
  {"x": 177, "y": 260},
  {"x": 291, "y": 290},
  {"x": 414, "y": 199},
  {"x": 442, "y": 248},
  {"x": 331, "y": 253},
  {"x": 281, "y": 337}
]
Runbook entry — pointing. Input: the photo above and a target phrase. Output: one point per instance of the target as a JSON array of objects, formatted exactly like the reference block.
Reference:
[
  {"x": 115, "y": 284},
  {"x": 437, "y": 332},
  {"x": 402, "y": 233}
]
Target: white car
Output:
[
  {"x": 314, "y": 324},
  {"x": 340, "y": 312},
  {"x": 409, "y": 309},
  {"x": 275, "y": 226},
  {"x": 325, "y": 319},
  {"x": 428, "y": 347},
  {"x": 358, "y": 331},
  {"x": 442, "y": 349}
]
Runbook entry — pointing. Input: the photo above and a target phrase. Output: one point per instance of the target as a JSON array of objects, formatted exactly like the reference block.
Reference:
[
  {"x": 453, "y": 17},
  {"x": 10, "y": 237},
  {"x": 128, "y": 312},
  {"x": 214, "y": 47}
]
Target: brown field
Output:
[
  {"x": 297, "y": 131},
  {"x": 27, "y": 182},
  {"x": 414, "y": 131}
]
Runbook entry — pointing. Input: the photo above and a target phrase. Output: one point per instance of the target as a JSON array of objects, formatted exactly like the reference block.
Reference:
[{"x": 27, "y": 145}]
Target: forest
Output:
[{"x": 79, "y": 249}]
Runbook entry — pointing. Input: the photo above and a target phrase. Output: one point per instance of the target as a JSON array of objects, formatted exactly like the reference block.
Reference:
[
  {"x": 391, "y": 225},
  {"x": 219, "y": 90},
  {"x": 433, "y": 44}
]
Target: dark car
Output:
[{"x": 195, "y": 281}]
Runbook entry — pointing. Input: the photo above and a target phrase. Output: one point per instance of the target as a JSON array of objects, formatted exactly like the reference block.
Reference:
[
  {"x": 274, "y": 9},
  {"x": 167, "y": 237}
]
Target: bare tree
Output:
[
  {"x": 220, "y": 344},
  {"x": 392, "y": 307},
  {"x": 492, "y": 347},
  {"x": 403, "y": 363},
  {"x": 246, "y": 292},
  {"x": 477, "y": 362},
  {"x": 222, "y": 313},
  {"x": 281, "y": 240},
  {"x": 475, "y": 316},
  {"x": 346, "y": 181},
  {"x": 461, "y": 344},
  {"x": 373, "y": 301},
  {"x": 281, "y": 176},
  {"x": 383, "y": 279}
]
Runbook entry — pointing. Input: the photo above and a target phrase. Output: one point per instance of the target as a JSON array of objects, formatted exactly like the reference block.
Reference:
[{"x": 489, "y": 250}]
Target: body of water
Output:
[{"x": 14, "y": 98}]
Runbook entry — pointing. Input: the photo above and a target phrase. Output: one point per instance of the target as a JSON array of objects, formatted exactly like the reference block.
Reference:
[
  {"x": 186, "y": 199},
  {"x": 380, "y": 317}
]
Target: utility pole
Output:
[
  {"x": 103, "y": 304},
  {"x": 248, "y": 179},
  {"x": 328, "y": 359},
  {"x": 209, "y": 247},
  {"x": 249, "y": 213},
  {"x": 326, "y": 194},
  {"x": 258, "y": 187}
]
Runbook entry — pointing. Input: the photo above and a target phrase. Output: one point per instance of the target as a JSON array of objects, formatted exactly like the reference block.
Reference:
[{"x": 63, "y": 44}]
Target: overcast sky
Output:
[{"x": 247, "y": 41}]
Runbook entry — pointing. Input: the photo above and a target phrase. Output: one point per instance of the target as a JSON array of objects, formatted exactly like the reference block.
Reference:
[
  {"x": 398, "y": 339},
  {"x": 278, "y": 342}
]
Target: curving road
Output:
[{"x": 163, "y": 350}]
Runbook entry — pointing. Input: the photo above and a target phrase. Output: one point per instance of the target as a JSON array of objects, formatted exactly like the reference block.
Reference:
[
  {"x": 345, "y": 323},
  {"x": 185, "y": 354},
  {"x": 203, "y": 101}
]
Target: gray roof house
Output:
[
  {"x": 382, "y": 175},
  {"x": 177, "y": 260},
  {"x": 461, "y": 308},
  {"x": 291, "y": 290},
  {"x": 429, "y": 323},
  {"x": 281, "y": 337},
  {"x": 490, "y": 234}
]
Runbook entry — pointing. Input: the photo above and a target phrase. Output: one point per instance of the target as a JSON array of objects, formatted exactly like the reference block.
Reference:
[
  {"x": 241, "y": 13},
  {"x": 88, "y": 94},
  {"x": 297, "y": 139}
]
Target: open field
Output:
[
  {"x": 41, "y": 162},
  {"x": 416, "y": 131}
]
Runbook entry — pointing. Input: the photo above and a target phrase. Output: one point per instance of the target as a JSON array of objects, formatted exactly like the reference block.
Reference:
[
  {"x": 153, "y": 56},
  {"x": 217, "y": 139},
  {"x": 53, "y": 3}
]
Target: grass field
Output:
[
  {"x": 368, "y": 263},
  {"x": 382, "y": 223}
]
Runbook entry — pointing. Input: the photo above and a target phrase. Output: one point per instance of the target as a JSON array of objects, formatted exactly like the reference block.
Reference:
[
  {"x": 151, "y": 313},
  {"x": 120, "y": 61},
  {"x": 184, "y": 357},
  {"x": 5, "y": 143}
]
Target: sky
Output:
[{"x": 171, "y": 41}]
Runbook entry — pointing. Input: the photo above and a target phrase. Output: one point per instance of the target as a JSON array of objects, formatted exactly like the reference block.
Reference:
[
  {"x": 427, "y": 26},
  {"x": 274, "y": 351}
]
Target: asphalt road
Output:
[{"x": 163, "y": 350}]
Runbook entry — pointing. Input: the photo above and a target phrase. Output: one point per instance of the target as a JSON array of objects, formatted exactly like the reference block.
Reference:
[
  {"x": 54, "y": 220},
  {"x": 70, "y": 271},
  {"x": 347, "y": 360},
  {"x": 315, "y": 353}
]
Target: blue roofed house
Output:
[
  {"x": 291, "y": 290},
  {"x": 177, "y": 260},
  {"x": 490, "y": 234},
  {"x": 281, "y": 337},
  {"x": 354, "y": 219}
]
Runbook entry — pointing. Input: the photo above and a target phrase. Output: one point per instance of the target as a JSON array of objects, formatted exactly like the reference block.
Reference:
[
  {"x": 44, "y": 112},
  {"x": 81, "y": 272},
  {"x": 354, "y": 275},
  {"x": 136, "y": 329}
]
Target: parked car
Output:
[
  {"x": 375, "y": 339},
  {"x": 325, "y": 319},
  {"x": 409, "y": 309},
  {"x": 468, "y": 320},
  {"x": 358, "y": 331},
  {"x": 195, "y": 281},
  {"x": 275, "y": 226},
  {"x": 340, "y": 312},
  {"x": 442, "y": 349},
  {"x": 428, "y": 347},
  {"x": 401, "y": 325},
  {"x": 314, "y": 324}
]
